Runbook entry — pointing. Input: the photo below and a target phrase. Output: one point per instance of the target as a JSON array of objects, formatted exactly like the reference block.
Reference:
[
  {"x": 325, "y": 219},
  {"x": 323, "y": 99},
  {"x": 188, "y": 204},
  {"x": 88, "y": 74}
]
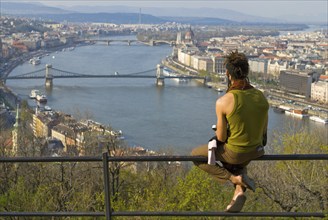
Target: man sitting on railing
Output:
[{"x": 242, "y": 118}]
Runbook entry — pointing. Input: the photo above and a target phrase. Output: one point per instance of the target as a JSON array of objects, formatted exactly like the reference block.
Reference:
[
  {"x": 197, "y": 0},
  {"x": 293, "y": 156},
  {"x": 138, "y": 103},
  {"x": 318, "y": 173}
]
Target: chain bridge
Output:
[
  {"x": 49, "y": 73},
  {"x": 129, "y": 42}
]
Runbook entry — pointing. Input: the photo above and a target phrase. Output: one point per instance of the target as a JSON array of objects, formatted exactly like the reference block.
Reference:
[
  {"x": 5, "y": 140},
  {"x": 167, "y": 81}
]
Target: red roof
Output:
[
  {"x": 204, "y": 44},
  {"x": 324, "y": 77}
]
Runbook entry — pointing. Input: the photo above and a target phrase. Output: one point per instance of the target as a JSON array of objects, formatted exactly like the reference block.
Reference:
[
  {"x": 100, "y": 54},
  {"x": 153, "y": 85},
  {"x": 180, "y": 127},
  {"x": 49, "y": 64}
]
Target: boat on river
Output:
[
  {"x": 300, "y": 113},
  {"x": 117, "y": 134},
  {"x": 318, "y": 119},
  {"x": 35, "y": 61},
  {"x": 34, "y": 93},
  {"x": 41, "y": 98},
  {"x": 47, "y": 108},
  {"x": 276, "y": 109}
]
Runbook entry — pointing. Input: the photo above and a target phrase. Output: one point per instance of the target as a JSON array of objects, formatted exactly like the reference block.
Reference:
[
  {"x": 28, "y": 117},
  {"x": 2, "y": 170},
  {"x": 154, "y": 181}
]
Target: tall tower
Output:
[
  {"x": 179, "y": 38},
  {"x": 139, "y": 16},
  {"x": 15, "y": 133},
  {"x": 0, "y": 48}
]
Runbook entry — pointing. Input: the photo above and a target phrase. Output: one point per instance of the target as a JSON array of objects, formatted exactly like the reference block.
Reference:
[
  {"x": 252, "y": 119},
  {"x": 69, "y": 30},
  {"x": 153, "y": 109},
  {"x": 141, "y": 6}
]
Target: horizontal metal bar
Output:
[
  {"x": 156, "y": 158},
  {"x": 239, "y": 214},
  {"x": 209, "y": 214},
  {"x": 43, "y": 214},
  {"x": 294, "y": 157},
  {"x": 204, "y": 159},
  {"x": 50, "y": 159}
]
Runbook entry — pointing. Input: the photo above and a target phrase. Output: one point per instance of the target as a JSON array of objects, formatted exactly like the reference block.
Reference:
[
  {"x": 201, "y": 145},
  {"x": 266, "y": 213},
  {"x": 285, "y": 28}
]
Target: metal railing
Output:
[{"x": 109, "y": 213}]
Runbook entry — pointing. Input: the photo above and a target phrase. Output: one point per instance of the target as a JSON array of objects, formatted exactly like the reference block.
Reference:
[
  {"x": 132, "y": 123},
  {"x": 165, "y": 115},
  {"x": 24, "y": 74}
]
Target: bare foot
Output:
[
  {"x": 237, "y": 180},
  {"x": 244, "y": 181},
  {"x": 238, "y": 191}
]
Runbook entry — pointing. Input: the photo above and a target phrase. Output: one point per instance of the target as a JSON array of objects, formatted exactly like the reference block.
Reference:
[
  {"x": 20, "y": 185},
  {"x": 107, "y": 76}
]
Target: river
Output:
[{"x": 176, "y": 117}]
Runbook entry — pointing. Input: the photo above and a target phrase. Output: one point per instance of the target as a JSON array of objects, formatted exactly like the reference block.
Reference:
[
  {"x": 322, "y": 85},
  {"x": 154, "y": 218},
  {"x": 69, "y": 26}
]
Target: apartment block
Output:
[
  {"x": 64, "y": 134},
  {"x": 319, "y": 91},
  {"x": 296, "y": 82},
  {"x": 276, "y": 66},
  {"x": 42, "y": 125},
  {"x": 218, "y": 64},
  {"x": 206, "y": 63},
  {"x": 71, "y": 135},
  {"x": 32, "y": 44},
  {"x": 257, "y": 65}
]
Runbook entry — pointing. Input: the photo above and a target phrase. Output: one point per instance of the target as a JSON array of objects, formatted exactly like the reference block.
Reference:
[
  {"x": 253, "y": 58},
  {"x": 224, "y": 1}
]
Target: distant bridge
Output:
[
  {"x": 49, "y": 73},
  {"x": 129, "y": 42}
]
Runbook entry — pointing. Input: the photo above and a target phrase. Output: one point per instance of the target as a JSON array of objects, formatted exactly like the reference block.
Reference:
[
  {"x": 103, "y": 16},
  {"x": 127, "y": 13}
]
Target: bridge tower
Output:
[
  {"x": 129, "y": 42},
  {"x": 108, "y": 43},
  {"x": 49, "y": 77},
  {"x": 159, "y": 75}
]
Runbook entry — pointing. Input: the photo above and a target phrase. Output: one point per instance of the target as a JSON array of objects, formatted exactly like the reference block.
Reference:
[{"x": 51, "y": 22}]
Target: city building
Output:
[
  {"x": 227, "y": 47},
  {"x": 185, "y": 54},
  {"x": 296, "y": 82},
  {"x": 65, "y": 134},
  {"x": 20, "y": 46},
  {"x": 43, "y": 123},
  {"x": 32, "y": 44},
  {"x": 218, "y": 64},
  {"x": 276, "y": 66},
  {"x": 51, "y": 42},
  {"x": 7, "y": 51},
  {"x": 53, "y": 26},
  {"x": 206, "y": 64},
  {"x": 281, "y": 44},
  {"x": 0, "y": 48},
  {"x": 319, "y": 91},
  {"x": 179, "y": 38},
  {"x": 258, "y": 65},
  {"x": 189, "y": 37},
  {"x": 72, "y": 136}
]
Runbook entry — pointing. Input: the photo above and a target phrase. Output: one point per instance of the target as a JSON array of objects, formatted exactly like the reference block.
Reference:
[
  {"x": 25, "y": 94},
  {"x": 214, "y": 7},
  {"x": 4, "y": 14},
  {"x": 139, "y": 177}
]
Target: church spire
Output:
[
  {"x": 17, "y": 117},
  {"x": 15, "y": 132}
]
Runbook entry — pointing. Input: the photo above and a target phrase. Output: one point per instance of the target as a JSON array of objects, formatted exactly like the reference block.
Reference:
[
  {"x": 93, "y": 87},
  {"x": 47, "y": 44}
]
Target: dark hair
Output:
[{"x": 237, "y": 65}]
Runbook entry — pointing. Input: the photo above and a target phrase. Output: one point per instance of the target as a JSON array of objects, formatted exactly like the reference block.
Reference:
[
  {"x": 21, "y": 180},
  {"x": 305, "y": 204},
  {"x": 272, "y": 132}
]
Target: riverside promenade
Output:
[{"x": 274, "y": 99}]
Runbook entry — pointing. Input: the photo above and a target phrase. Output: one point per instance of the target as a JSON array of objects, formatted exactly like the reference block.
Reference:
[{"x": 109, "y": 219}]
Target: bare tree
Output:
[{"x": 296, "y": 185}]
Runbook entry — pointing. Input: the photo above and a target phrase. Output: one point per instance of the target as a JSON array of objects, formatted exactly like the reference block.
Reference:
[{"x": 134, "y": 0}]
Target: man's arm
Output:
[
  {"x": 265, "y": 130},
  {"x": 224, "y": 106}
]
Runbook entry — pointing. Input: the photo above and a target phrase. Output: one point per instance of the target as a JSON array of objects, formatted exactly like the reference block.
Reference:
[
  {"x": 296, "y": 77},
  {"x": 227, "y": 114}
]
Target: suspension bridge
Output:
[
  {"x": 49, "y": 73},
  {"x": 129, "y": 42}
]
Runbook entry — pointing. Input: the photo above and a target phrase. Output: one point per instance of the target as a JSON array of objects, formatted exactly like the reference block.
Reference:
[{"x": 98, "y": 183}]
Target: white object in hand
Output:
[{"x": 211, "y": 154}]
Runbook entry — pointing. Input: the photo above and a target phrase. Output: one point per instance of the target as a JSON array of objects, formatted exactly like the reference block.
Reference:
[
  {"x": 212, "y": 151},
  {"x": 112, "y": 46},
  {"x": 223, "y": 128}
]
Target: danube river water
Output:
[{"x": 176, "y": 117}]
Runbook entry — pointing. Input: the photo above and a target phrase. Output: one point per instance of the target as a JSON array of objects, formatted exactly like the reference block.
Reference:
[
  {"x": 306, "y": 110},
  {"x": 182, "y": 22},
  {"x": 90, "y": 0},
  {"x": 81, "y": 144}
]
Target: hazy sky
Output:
[{"x": 265, "y": 8}]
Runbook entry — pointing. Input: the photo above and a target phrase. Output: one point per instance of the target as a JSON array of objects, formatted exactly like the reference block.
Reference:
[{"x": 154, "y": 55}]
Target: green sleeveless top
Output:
[{"x": 247, "y": 120}]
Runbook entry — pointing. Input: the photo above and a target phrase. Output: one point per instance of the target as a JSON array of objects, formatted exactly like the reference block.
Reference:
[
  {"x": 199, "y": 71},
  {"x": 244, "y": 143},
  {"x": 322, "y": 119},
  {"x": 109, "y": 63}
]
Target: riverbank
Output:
[
  {"x": 10, "y": 98},
  {"x": 314, "y": 109}
]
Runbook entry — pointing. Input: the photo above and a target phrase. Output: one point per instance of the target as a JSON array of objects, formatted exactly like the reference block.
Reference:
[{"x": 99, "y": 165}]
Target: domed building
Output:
[{"x": 189, "y": 37}]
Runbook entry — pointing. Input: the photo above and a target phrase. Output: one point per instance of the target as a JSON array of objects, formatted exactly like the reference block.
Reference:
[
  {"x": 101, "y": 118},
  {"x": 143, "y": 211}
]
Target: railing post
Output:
[{"x": 108, "y": 207}]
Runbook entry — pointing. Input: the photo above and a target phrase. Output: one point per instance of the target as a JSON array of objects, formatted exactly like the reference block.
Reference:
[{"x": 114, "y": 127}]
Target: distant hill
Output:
[
  {"x": 149, "y": 14},
  {"x": 38, "y": 10},
  {"x": 117, "y": 18},
  {"x": 130, "y": 15},
  {"x": 129, "y": 18},
  {"x": 178, "y": 11},
  {"x": 15, "y": 8}
]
